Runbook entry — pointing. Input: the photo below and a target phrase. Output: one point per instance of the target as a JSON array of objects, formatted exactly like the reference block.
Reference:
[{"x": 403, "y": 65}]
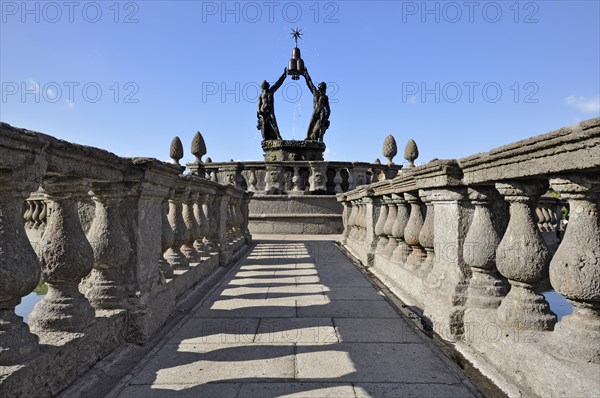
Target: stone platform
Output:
[
  {"x": 296, "y": 318},
  {"x": 292, "y": 150}
]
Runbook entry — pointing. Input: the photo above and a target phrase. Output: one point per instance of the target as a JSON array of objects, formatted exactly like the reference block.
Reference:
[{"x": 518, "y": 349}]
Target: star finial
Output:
[{"x": 296, "y": 35}]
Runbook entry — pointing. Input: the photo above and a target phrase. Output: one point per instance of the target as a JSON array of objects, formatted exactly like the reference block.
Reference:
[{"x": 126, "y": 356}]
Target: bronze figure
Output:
[
  {"x": 319, "y": 121},
  {"x": 266, "y": 109}
]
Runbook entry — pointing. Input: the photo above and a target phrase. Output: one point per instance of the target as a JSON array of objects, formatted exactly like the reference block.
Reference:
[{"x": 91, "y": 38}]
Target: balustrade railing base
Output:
[
  {"x": 63, "y": 357},
  {"x": 519, "y": 357}
]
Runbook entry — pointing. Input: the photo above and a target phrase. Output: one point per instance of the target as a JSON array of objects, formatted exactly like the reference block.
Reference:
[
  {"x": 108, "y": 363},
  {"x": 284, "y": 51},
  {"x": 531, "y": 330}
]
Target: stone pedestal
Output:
[{"x": 289, "y": 150}]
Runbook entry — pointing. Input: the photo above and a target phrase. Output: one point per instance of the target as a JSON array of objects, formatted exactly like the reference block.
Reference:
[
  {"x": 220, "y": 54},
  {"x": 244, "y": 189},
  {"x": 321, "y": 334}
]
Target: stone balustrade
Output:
[
  {"x": 297, "y": 196},
  {"x": 299, "y": 177},
  {"x": 117, "y": 241},
  {"x": 474, "y": 240}
]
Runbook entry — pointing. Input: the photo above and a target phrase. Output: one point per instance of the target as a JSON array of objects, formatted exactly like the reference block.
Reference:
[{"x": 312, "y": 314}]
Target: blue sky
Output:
[{"x": 458, "y": 77}]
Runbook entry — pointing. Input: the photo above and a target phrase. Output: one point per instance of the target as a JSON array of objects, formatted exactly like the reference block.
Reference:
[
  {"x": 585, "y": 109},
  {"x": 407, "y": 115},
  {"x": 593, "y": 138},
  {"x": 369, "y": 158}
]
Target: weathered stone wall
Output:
[
  {"x": 292, "y": 214},
  {"x": 117, "y": 241},
  {"x": 467, "y": 243}
]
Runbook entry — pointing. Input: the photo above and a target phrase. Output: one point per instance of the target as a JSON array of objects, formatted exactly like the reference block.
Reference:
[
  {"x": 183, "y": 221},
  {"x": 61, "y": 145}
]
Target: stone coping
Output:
[{"x": 565, "y": 150}]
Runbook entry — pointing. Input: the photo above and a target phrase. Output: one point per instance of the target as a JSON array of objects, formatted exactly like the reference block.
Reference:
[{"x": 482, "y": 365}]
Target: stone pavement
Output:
[{"x": 297, "y": 319}]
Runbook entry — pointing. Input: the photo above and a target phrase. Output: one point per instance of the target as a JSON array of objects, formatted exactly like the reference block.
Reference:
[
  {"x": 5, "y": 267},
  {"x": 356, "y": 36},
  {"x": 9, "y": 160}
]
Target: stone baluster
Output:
[
  {"x": 547, "y": 218},
  {"x": 413, "y": 229},
  {"x": 388, "y": 228},
  {"x": 167, "y": 238},
  {"x": 540, "y": 218},
  {"x": 19, "y": 268},
  {"x": 358, "y": 220},
  {"x": 173, "y": 255},
  {"x": 66, "y": 257},
  {"x": 220, "y": 214},
  {"x": 402, "y": 250},
  {"x": 560, "y": 220},
  {"x": 38, "y": 207},
  {"x": 252, "y": 180},
  {"x": 228, "y": 219},
  {"x": 28, "y": 216},
  {"x": 210, "y": 209},
  {"x": 355, "y": 232},
  {"x": 189, "y": 218},
  {"x": 575, "y": 271},
  {"x": 238, "y": 216},
  {"x": 367, "y": 203},
  {"x": 105, "y": 285},
  {"x": 354, "y": 220},
  {"x": 486, "y": 289},
  {"x": 351, "y": 182},
  {"x": 555, "y": 217},
  {"x": 522, "y": 257},
  {"x": 372, "y": 207},
  {"x": 234, "y": 218},
  {"x": 337, "y": 180},
  {"x": 245, "y": 212},
  {"x": 426, "y": 233},
  {"x": 287, "y": 183},
  {"x": 40, "y": 223},
  {"x": 349, "y": 229},
  {"x": 38, "y": 210},
  {"x": 358, "y": 225},
  {"x": 345, "y": 216},
  {"x": 381, "y": 236},
  {"x": 203, "y": 227}
]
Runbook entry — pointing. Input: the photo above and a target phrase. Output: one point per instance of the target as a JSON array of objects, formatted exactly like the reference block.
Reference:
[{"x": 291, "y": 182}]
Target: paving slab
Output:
[
  {"x": 297, "y": 272},
  {"x": 216, "y": 331},
  {"x": 302, "y": 331},
  {"x": 372, "y": 362},
  {"x": 242, "y": 308},
  {"x": 374, "y": 330},
  {"x": 209, "y": 363},
  {"x": 226, "y": 292},
  {"x": 352, "y": 293},
  {"x": 313, "y": 288},
  {"x": 345, "y": 280},
  {"x": 261, "y": 282},
  {"x": 407, "y": 390},
  {"x": 296, "y": 390},
  {"x": 347, "y": 309},
  {"x": 254, "y": 273},
  {"x": 295, "y": 319},
  {"x": 210, "y": 390}
]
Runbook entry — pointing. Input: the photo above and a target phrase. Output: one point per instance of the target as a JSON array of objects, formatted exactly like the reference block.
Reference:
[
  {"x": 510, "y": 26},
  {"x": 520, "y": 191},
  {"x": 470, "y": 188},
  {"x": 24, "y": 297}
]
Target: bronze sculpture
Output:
[
  {"x": 266, "y": 109},
  {"x": 319, "y": 121},
  {"x": 312, "y": 147}
]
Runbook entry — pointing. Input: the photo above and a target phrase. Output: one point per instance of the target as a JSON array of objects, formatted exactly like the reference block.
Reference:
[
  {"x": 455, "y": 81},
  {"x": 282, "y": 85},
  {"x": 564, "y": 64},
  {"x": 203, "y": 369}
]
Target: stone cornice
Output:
[
  {"x": 63, "y": 157},
  {"x": 437, "y": 173},
  {"x": 384, "y": 187},
  {"x": 574, "y": 148}
]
